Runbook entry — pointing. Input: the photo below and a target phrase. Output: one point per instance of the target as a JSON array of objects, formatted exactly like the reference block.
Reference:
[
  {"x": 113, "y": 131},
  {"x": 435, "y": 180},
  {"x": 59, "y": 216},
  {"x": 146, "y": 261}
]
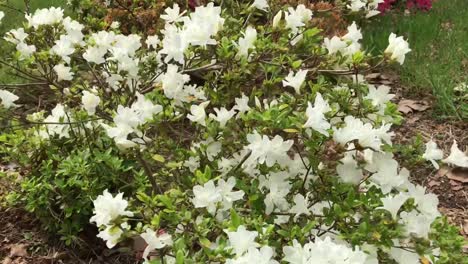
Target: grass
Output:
[
  {"x": 14, "y": 19},
  {"x": 439, "y": 58}
]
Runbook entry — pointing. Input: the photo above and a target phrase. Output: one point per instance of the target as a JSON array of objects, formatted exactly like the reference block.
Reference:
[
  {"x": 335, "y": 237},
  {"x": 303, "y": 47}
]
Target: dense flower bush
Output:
[
  {"x": 236, "y": 134},
  {"x": 424, "y": 5}
]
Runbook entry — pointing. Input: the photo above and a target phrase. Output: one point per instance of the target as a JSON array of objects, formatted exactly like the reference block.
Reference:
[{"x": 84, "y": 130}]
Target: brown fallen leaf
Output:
[
  {"x": 442, "y": 172},
  {"x": 7, "y": 260},
  {"x": 433, "y": 183},
  {"x": 458, "y": 174},
  {"x": 407, "y": 106},
  {"x": 18, "y": 250}
]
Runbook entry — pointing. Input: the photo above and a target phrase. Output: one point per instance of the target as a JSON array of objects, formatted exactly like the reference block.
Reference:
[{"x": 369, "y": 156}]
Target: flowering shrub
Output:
[
  {"x": 236, "y": 134},
  {"x": 424, "y": 5}
]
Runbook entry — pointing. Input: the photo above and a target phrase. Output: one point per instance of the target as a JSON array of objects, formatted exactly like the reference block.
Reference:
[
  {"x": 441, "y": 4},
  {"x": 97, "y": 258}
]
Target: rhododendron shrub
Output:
[
  {"x": 423, "y": 5},
  {"x": 238, "y": 133}
]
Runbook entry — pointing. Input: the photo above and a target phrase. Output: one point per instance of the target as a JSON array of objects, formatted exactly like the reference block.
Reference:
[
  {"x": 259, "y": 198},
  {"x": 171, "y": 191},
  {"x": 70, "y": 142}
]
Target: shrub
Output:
[
  {"x": 423, "y": 5},
  {"x": 237, "y": 134}
]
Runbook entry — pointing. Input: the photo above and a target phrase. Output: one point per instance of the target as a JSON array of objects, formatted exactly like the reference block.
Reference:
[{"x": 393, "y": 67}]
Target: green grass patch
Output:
[{"x": 439, "y": 58}]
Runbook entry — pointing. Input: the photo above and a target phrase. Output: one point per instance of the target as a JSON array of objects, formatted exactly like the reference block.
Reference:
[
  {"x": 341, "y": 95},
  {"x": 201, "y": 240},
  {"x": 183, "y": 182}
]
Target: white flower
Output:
[
  {"x": 316, "y": 115},
  {"x": 247, "y": 42},
  {"x": 242, "y": 239},
  {"x": 25, "y": 50},
  {"x": 222, "y": 116},
  {"x": 173, "y": 81},
  {"x": 145, "y": 109},
  {"x": 108, "y": 208},
  {"x": 295, "y": 80},
  {"x": 63, "y": 72},
  {"x": 279, "y": 187},
  {"x": 433, "y": 153},
  {"x": 95, "y": 54},
  {"x": 416, "y": 223},
  {"x": 356, "y": 5},
  {"x": 206, "y": 196},
  {"x": 456, "y": 157},
  {"x": 264, "y": 255},
  {"x": 242, "y": 104},
  {"x": 8, "y": 98},
  {"x": 45, "y": 16},
  {"x": 397, "y": 47},
  {"x": 155, "y": 241},
  {"x": 203, "y": 24},
  {"x": 348, "y": 169},
  {"x": 354, "y": 34},
  {"x": 427, "y": 202},
  {"x": 263, "y": 150},
  {"x": 296, "y": 18},
  {"x": 59, "y": 116},
  {"x": 63, "y": 48},
  {"x": 334, "y": 45},
  {"x": 172, "y": 14},
  {"x": 260, "y": 4},
  {"x": 152, "y": 41},
  {"x": 229, "y": 196},
  {"x": 16, "y": 36},
  {"x": 322, "y": 252},
  {"x": 386, "y": 175},
  {"x": 277, "y": 19},
  {"x": 393, "y": 203},
  {"x": 115, "y": 25},
  {"x": 198, "y": 114},
  {"x": 111, "y": 235},
  {"x": 2, "y": 15},
  {"x": 364, "y": 133},
  {"x": 379, "y": 96},
  {"x": 301, "y": 206},
  {"x": 403, "y": 256},
  {"x": 90, "y": 101}
]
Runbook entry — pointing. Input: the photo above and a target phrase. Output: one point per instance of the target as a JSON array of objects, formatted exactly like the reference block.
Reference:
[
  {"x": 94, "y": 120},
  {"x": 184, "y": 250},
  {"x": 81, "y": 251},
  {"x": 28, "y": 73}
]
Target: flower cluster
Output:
[
  {"x": 423, "y": 5},
  {"x": 250, "y": 139}
]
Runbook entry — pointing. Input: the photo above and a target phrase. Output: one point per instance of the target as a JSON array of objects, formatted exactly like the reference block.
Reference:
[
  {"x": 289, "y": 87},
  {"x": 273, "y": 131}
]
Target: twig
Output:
[{"x": 149, "y": 173}]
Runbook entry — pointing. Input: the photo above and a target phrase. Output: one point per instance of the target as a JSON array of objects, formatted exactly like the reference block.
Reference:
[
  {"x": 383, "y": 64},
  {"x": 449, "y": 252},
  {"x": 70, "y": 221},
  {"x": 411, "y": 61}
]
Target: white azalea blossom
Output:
[
  {"x": 198, "y": 114},
  {"x": 433, "y": 153},
  {"x": 277, "y": 19},
  {"x": 111, "y": 234},
  {"x": 108, "y": 208},
  {"x": 223, "y": 116},
  {"x": 155, "y": 241},
  {"x": 63, "y": 72},
  {"x": 456, "y": 157},
  {"x": 90, "y": 101},
  {"x": 247, "y": 42},
  {"x": 261, "y": 4},
  {"x": 394, "y": 203},
  {"x": 295, "y": 80},
  {"x": 241, "y": 240},
  {"x": 322, "y": 251},
  {"x": 397, "y": 48},
  {"x": 263, "y": 150},
  {"x": 316, "y": 115},
  {"x": 301, "y": 206},
  {"x": 7, "y": 98}
]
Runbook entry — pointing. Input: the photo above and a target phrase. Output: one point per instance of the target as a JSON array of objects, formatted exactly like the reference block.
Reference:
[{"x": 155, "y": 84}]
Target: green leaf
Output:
[
  {"x": 159, "y": 158},
  {"x": 180, "y": 257},
  {"x": 235, "y": 219}
]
